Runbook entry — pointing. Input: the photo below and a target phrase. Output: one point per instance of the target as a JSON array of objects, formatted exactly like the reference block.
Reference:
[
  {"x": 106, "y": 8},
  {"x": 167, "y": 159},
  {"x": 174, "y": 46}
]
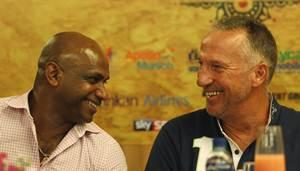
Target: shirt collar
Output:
[
  {"x": 272, "y": 119},
  {"x": 91, "y": 127},
  {"x": 79, "y": 130},
  {"x": 19, "y": 102},
  {"x": 272, "y": 110}
]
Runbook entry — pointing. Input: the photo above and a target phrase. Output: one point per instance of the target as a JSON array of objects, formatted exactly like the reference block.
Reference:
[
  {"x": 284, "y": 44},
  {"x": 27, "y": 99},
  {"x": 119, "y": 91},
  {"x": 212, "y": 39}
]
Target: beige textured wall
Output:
[{"x": 148, "y": 28}]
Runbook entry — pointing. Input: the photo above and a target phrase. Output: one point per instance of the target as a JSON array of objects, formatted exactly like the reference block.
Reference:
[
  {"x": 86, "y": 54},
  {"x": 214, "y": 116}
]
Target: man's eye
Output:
[
  {"x": 92, "y": 79},
  {"x": 217, "y": 67}
]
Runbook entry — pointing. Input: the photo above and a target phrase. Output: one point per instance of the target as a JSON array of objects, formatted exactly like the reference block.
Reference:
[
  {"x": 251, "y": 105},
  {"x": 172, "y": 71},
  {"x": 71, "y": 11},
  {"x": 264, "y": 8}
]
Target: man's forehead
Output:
[
  {"x": 225, "y": 35},
  {"x": 87, "y": 62},
  {"x": 92, "y": 55},
  {"x": 83, "y": 55}
]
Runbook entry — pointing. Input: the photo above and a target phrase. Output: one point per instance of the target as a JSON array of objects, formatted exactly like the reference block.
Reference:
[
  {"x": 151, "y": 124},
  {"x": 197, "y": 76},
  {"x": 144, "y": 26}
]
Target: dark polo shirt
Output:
[{"x": 177, "y": 146}]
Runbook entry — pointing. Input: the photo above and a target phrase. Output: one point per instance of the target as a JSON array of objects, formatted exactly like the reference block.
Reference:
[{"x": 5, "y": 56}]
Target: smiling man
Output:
[
  {"x": 51, "y": 125},
  {"x": 237, "y": 61}
]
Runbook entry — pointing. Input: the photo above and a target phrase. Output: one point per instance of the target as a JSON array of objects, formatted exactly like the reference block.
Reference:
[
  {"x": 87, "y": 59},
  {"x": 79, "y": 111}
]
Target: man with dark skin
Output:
[{"x": 68, "y": 89}]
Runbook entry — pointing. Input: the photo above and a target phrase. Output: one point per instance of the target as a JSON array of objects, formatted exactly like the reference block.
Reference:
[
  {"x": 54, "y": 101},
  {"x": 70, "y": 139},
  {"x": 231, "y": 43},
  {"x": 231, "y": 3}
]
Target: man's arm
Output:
[
  {"x": 116, "y": 159},
  {"x": 164, "y": 155}
]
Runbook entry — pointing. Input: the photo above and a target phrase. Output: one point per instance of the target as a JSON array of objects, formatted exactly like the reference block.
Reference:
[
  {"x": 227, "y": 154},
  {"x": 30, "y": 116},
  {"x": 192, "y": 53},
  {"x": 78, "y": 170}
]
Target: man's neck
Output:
[
  {"x": 47, "y": 117},
  {"x": 244, "y": 128},
  {"x": 50, "y": 127}
]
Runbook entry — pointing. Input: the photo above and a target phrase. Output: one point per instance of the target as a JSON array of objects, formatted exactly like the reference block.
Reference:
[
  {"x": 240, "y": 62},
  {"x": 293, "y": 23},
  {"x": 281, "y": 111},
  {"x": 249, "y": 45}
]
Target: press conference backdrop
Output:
[{"x": 152, "y": 46}]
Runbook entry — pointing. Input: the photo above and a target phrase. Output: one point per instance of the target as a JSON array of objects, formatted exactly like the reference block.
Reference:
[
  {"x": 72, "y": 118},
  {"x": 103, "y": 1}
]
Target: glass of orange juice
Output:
[{"x": 269, "y": 151}]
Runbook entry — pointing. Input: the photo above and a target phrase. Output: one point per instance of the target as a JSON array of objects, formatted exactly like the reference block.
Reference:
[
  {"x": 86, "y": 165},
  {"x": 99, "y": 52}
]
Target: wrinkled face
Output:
[
  {"x": 81, "y": 88},
  {"x": 224, "y": 73}
]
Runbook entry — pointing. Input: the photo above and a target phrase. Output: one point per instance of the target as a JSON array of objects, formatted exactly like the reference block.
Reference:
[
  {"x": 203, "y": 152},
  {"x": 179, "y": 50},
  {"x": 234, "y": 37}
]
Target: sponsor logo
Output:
[
  {"x": 108, "y": 53},
  {"x": 148, "y": 125},
  {"x": 294, "y": 96},
  {"x": 163, "y": 100},
  {"x": 152, "y": 60},
  {"x": 253, "y": 8},
  {"x": 289, "y": 61},
  {"x": 193, "y": 58},
  {"x": 121, "y": 101},
  {"x": 286, "y": 95},
  {"x": 149, "y": 100},
  {"x": 158, "y": 124},
  {"x": 142, "y": 125}
]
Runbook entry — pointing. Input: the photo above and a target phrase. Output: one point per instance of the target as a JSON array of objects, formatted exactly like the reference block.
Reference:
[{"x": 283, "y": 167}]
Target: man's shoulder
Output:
[
  {"x": 196, "y": 120},
  {"x": 196, "y": 116},
  {"x": 100, "y": 140},
  {"x": 287, "y": 117},
  {"x": 286, "y": 111},
  {"x": 103, "y": 150},
  {"x": 103, "y": 146},
  {"x": 6, "y": 101},
  {"x": 289, "y": 114},
  {"x": 17, "y": 101},
  {"x": 100, "y": 136}
]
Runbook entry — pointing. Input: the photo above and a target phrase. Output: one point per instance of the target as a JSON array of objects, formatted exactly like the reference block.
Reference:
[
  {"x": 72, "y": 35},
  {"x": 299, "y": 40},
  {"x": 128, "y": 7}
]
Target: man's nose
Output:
[
  {"x": 204, "y": 77},
  {"x": 101, "y": 92}
]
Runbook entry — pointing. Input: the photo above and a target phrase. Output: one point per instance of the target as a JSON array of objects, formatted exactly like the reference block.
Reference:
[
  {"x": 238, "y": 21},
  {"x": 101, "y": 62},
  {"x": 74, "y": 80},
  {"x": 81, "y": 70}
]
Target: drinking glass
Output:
[
  {"x": 269, "y": 151},
  {"x": 248, "y": 166}
]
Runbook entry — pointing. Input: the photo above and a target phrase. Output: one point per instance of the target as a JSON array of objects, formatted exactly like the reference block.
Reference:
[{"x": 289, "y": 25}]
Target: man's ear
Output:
[
  {"x": 53, "y": 73},
  {"x": 260, "y": 74}
]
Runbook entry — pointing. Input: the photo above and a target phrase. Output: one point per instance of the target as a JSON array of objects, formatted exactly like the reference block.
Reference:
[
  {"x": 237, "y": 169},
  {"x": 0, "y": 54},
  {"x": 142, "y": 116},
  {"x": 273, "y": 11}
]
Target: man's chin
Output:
[
  {"x": 85, "y": 120},
  {"x": 214, "y": 113},
  {"x": 88, "y": 120}
]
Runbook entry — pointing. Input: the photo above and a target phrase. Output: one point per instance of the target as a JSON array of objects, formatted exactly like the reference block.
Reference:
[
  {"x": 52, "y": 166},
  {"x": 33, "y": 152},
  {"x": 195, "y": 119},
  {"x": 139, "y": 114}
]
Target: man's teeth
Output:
[
  {"x": 92, "y": 104},
  {"x": 213, "y": 93}
]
